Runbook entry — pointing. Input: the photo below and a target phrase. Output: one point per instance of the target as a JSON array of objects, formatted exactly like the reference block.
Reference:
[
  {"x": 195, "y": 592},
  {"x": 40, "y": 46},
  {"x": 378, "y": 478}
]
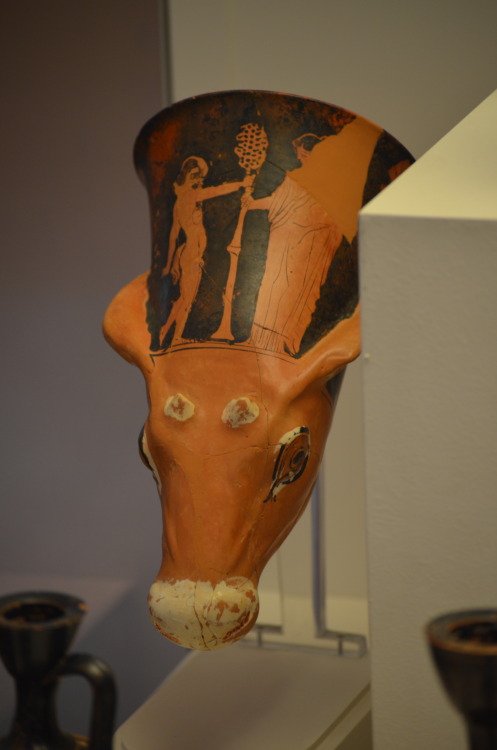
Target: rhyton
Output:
[{"x": 242, "y": 329}]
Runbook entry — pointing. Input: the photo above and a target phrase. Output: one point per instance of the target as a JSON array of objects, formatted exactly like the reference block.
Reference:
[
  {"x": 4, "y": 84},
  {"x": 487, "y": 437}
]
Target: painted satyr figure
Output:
[{"x": 242, "y": 328}]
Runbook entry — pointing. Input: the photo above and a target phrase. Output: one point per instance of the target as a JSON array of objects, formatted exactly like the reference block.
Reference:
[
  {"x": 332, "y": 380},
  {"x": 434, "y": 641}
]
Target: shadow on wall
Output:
[{"x": 125, "y": 638}]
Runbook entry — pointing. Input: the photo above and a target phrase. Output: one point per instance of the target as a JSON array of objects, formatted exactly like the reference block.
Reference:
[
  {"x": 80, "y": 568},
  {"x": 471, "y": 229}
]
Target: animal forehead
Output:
[{"x": 216, "y": 373}]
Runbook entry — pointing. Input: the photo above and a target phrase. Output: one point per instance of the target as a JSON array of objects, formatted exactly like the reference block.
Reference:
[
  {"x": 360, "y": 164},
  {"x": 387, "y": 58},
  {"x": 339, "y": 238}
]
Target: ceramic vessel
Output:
[
  {"x": 36, "y": 630},
  {"x": 242, "y": 328},
  {"x": 464, "y": 650}
]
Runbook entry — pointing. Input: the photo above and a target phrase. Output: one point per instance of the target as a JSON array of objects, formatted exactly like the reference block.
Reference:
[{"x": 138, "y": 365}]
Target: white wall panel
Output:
[{"x": 430, "y": 416}]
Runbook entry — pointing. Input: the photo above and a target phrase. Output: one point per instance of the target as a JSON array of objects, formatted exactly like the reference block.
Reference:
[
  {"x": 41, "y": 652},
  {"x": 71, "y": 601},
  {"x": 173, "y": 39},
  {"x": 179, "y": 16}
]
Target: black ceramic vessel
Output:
[
  {"x": 464, "y": 649},
  {"x": 36, "y": 630}
]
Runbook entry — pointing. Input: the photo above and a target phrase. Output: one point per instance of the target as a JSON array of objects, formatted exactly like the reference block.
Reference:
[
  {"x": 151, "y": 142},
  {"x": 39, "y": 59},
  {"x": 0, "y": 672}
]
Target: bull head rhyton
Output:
[{"x": 242, "y": 329}]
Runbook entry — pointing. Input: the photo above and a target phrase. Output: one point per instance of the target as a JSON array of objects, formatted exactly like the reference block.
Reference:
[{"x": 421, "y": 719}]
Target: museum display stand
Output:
[{"x": 241, "y": 698}]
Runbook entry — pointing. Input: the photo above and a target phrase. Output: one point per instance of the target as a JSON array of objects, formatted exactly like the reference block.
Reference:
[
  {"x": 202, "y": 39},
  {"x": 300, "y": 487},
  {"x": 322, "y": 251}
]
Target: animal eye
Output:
[
  {"x": 143, "y": 455},
  {"x": 146, "y": 456},
  {"x": 291, "y": 461},
  {"x": 297, "y": 460}
]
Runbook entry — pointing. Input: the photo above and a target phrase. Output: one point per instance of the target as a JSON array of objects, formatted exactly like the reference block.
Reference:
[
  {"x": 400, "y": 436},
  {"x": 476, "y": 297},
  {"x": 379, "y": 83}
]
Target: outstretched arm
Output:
[{"x": 224, "y": 188}]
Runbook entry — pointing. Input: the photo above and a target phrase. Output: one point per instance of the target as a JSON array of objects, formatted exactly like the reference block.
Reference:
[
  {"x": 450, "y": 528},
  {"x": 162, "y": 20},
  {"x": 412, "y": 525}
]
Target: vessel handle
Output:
[{"x": 103, "y": 687}]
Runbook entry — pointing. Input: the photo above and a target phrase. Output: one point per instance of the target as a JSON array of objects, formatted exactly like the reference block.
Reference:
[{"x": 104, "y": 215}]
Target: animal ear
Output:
[
  {"x": 125, "y": 325},
  {"x": 332, "y": 353}
]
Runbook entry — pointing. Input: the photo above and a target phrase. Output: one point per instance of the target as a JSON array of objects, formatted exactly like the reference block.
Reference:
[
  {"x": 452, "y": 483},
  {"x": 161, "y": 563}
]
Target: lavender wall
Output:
[{"x": 79, "y": 512}]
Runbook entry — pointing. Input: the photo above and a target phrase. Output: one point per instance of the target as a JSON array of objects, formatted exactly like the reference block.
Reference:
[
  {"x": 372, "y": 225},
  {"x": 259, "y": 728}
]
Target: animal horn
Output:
[
  {"x": 331, "y": 354},
  {"x": 125, "y": 326}
]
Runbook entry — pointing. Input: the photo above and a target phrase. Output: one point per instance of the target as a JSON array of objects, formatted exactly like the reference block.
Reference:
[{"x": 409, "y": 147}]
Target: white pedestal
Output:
[{"x": 246, "y": 698}]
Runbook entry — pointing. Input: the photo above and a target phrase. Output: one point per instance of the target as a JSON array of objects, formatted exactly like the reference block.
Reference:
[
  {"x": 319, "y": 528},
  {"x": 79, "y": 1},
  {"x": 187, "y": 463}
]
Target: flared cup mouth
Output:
[
  {"x": 467, "y": 631},
  {"x": 25, "y": 610}
]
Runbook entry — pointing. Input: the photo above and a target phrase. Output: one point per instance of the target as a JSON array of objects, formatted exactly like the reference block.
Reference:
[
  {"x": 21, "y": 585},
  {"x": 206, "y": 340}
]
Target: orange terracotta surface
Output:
[{"x": 242, "y": 328}]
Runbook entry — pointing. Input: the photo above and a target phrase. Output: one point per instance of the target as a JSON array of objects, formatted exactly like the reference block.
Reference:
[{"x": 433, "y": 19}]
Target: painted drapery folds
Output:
[{"x": 243, "y": 328}]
